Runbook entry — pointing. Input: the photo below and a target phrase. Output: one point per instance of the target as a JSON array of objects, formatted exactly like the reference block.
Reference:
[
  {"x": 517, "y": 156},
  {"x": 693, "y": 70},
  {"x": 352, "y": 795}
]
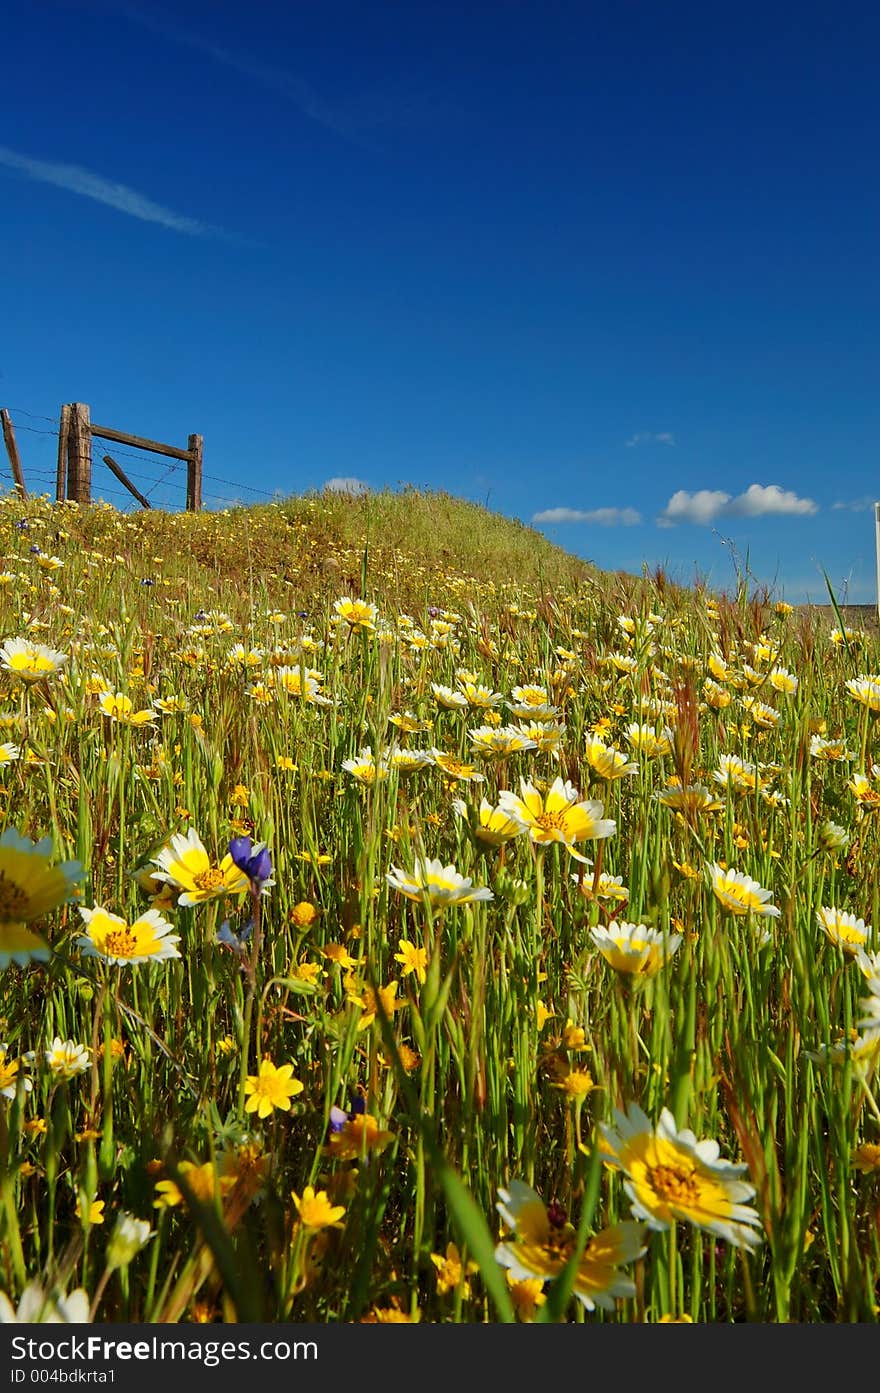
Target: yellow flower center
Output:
[
  {"x": 551, "y": 822},
  {"x": 455, "y": 766},
  {"x": 13, "y": 900},
  {"x": 675, "y": 1184},
  {"x": 211, "y": 879},
  {"x": 121, "y": 943}
]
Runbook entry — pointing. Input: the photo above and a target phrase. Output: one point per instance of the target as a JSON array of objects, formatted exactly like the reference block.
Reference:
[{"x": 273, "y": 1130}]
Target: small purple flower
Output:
[
  {"x": 236, "y": 940},
  {"x": 254, "y": 860},
  {"x": 339, "y": 1117}
]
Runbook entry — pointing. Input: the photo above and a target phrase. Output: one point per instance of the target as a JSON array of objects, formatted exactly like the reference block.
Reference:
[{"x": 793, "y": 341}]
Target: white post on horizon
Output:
[{"x": 877, "y": 529}]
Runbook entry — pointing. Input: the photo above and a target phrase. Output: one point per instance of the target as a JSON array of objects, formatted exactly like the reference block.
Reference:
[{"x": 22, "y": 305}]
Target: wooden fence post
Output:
[
  {"x": 195, "y": 445},
  {"x": 63, "y": 442},
  {"x": 12, "y": 451},
  {"x": 79, "y": 475},
  {"x": 124, "y": 479}
]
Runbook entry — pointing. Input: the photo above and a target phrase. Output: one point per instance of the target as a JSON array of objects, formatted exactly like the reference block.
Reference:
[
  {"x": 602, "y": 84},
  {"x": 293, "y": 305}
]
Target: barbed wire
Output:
[
  {"x": 20, "y": 411},
  {"x": 34, "y": 430}
]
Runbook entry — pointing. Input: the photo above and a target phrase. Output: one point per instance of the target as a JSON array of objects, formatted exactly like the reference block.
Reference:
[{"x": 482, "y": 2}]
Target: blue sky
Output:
[{"x": 610, "y": 268}]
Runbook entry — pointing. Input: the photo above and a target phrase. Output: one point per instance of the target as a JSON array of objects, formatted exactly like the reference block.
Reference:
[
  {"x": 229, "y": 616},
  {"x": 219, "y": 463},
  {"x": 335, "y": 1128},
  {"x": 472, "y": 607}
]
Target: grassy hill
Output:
[{"x": 411, "y": 549}]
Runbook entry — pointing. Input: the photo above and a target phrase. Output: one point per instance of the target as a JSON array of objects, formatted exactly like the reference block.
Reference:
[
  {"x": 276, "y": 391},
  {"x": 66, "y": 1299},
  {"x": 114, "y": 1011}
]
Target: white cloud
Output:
[
  {"x": 603, "y": 517},
  {"x": 855, "y": 505},
  {"x": 758, "y": 500},
  {"x": 701, "y": 507},
  {"x": 350, "y": 485},
  {"x": 75, "y": 179},
  {"x": 651, "y": 437}
]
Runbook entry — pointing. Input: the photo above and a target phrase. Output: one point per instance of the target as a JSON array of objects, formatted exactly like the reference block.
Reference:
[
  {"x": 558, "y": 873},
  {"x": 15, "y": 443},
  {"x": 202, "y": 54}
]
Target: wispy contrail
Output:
[
  {"x": 76, "y": 179},
  {"x": 287, "y": 84}
]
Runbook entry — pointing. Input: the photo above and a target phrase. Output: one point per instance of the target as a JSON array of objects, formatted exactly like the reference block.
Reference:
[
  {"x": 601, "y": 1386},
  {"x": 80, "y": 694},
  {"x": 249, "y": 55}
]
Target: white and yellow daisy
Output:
[
  {"x": 607, "y": 762},
  {"x": 542, "y": 1242},
  {"x": 66, "y": 1058},
  {"x": 109, "y": 937},
  {"x": 739, "y": 894},
  {"x": 635, "y": 949},
  {"x": 670, "y": 1176},
  {"x": 30, "y": 886},
  {"x": 32, "y": 662},
  {"x": 843, "y": 929},
  {"x": 185, "y": 863},
  {"x": 562, "y": 817},
  {"x": 440, "y": 885}
]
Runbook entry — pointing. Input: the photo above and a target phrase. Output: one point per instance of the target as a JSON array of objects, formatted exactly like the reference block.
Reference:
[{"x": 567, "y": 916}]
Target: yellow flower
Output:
[
  {"x": 303, "y": 915},
  {"x": 577, "y": 1084},
  {"x": 369, "y": 1003},
  {"x": 495, "y": 826},
  {"x": 451, "y": 1271},
  {"x": 689, "y": 800},
  {"x": 357, "y": 614},
  {"x": 390, "y": 1315},
  {"x": 866, "y": 795},
  {"x": 866, "y": 1158},
  {"x": 96, "y": 1210},
  {"x": 499, "y": 742},
  {"x": 271, "y": 1088},
  {"x": 119, "y": 707},
  {"x": 542, "y": 1015},
  {"x": 337, "y": 953},
  {"x": 366, "y": 768},
  {"x": 358, "y": 1136},
  {"x": 412, "y": 959},
  {"x": 527, "y": 1295},
  {"x": 532, "y": 703},
  {"x": 574, "y": 1037},
  {"x": 315, "y": 1210},
  {"x": 456, "y": 768},
  {"x": 202, "y": 1180},
  {"x": 645, "y": 740},
  {"x": 9, "y": 1075},
  {"x": 603, "y": 887}
]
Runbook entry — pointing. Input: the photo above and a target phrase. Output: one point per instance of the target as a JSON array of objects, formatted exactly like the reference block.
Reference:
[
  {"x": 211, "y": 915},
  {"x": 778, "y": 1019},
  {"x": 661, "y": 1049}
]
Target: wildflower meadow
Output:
[{"x": 401, "y": 921}]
